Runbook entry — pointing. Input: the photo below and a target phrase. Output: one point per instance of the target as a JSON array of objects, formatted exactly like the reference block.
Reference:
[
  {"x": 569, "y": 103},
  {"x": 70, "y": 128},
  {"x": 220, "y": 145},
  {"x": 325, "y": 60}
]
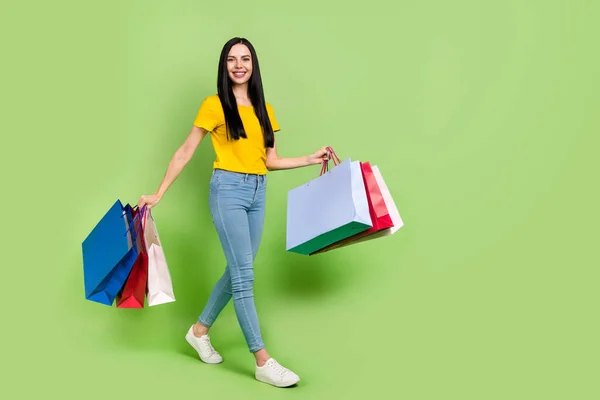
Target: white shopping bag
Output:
[{"x": 160, "y": 286}]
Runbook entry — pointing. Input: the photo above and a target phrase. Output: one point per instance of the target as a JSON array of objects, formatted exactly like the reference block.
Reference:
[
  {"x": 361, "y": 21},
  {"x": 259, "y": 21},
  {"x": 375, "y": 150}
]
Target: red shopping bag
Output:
[
  {"x": 133, "y": 293},
  {"x": 380, "y": 215}
]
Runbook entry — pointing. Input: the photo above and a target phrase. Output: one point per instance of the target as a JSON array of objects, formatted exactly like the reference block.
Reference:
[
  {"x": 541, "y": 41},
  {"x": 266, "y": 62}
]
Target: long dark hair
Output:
[{"x": 235, "y": 128}]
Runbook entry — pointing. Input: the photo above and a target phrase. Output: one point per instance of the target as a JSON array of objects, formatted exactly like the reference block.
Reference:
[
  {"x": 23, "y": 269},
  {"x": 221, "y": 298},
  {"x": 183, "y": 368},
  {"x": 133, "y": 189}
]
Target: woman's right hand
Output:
[{"x": 148, "y": 200}]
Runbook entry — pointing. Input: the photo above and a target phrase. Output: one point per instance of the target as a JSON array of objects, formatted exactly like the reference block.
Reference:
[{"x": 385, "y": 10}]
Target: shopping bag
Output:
[
  {"x": 327, "y": 209},
  {"x": 377, "y": 208},
  {"x": 133, "y": 293},
  {"x": 397, "y": 221},
  {"x": 109, "y": 253},
  {"x": 160, "y": 285},
  {"x": 393, "y": 213}
]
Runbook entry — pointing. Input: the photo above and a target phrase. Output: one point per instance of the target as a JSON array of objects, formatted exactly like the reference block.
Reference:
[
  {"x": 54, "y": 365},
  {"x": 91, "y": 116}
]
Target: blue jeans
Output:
[{"x": 237, "y": 205}]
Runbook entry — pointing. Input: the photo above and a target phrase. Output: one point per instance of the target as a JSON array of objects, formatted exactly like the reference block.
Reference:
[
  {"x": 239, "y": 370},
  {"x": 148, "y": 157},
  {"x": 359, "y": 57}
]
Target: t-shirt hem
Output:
[{"x": 241, "y": 171}]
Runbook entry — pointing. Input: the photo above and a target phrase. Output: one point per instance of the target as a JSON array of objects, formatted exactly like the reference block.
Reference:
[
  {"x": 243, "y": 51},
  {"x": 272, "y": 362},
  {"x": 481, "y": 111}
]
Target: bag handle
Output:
[
  {"x": 332, "y": 156},
  {"x": 142, "y": 226}
]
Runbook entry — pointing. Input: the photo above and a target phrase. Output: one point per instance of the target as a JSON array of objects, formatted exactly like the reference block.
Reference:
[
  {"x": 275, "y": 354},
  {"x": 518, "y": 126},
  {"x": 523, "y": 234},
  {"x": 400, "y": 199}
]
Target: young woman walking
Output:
[{"x": 241, "y": 126}]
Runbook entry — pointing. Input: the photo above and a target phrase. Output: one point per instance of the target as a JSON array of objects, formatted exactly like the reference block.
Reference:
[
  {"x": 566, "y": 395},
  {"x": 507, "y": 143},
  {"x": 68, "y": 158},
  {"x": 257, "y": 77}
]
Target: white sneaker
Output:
[
  {"x": 274, "y": 374},
  {"x": 202, "y": 345}
]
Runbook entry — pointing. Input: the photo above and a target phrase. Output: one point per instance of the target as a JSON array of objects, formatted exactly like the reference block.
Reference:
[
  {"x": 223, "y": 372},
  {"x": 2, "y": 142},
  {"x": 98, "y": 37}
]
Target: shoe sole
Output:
[
  {"x": 187, "y": 339},
  {"x": 281, "y": 385}
]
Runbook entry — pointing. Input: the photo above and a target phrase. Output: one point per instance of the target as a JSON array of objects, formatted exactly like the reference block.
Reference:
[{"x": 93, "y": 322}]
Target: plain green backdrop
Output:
[{"x": 481, "y": 115}]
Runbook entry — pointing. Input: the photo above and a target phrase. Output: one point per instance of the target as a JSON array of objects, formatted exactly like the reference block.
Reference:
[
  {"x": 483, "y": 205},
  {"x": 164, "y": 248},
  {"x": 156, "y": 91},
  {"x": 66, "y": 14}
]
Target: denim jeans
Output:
[{"x": 237, "y": 205}]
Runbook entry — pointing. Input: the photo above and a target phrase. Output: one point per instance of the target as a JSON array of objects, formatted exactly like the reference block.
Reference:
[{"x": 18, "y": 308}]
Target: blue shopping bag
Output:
[
  {"x": 327, "y": 209},
  {"x": 109, "y": 252}
]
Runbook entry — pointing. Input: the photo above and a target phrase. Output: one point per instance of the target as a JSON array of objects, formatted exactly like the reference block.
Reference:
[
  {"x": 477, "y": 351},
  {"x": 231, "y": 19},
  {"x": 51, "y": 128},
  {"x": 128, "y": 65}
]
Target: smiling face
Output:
[{"x": 239, "y": 64}]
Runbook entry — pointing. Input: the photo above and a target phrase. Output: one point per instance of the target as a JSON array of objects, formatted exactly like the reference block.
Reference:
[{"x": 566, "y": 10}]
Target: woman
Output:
[{"x": 242, "y": 127}]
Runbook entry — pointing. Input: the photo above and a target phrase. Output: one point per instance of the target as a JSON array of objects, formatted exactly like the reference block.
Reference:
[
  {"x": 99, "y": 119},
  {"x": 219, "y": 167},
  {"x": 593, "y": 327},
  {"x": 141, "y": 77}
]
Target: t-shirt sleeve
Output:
[
  {"x": 207, "y": 116},
  {"x": 272, "y": 118}
]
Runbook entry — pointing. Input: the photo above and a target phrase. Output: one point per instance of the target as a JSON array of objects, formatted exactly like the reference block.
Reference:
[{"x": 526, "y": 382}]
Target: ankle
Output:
[
  {"x": 261, "y": 357},
  {"x": 199, "y": 329}
]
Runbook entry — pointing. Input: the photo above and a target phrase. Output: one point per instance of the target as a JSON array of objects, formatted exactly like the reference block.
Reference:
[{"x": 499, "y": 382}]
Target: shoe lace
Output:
[
  {"x": 206, "y": 341},
  {"x": 278, "y": 368}
]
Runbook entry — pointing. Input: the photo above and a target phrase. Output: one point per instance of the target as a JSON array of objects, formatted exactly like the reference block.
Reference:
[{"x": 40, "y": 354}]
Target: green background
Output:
[{"x": 481, "y": 115}]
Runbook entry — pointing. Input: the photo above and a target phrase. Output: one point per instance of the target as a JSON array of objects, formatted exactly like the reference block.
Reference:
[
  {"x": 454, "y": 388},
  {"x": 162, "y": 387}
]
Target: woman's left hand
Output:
[{"x": 319, "y": 156}]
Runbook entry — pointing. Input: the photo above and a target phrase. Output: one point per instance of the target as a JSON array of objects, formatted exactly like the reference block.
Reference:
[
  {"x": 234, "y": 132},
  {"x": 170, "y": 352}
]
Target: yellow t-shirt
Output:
[{"x": 244, "y": 155}]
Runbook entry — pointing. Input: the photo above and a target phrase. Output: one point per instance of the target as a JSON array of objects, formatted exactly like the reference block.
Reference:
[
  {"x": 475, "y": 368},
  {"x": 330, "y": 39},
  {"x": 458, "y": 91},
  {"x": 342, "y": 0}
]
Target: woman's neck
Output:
[{"x": 241, "y": 95}]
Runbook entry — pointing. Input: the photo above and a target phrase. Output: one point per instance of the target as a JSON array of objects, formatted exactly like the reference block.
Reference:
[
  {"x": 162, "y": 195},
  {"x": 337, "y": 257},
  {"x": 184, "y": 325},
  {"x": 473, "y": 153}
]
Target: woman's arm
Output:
[
  {"x": 275, "y": 162},
  {"x": 180, "y": 159}
]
